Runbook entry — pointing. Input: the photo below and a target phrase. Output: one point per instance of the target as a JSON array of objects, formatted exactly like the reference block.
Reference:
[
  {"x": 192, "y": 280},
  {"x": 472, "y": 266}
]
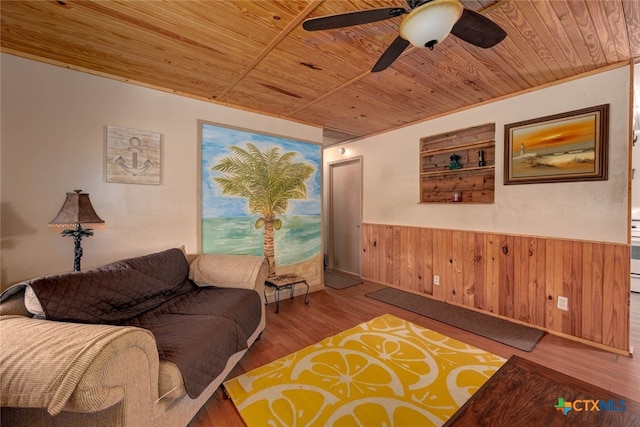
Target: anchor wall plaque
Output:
[{"x": 133, "y": 156}]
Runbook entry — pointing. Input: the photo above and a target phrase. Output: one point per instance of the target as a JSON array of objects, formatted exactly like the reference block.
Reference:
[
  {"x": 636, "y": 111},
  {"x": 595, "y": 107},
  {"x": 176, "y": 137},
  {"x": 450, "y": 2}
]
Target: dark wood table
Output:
[
  {"x": 523, "y": 393},
  {"x": 285, "y": 281}
]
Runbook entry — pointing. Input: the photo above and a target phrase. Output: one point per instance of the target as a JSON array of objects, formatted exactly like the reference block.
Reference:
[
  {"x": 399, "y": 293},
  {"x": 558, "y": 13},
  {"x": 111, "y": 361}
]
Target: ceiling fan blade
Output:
[
  {"x": 352, "y": 18},
  {"x": 391, "y": 54},
  {"x": 478, "y": 30}
]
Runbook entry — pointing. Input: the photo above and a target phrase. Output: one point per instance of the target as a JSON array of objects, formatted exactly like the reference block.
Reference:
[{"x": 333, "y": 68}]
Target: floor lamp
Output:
[{"x": 75, "y": 211}]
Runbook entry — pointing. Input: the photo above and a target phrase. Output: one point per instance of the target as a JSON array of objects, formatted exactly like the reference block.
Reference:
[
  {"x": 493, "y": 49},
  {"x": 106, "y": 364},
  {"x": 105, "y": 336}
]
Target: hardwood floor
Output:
[{"x": 331, "y": 311}]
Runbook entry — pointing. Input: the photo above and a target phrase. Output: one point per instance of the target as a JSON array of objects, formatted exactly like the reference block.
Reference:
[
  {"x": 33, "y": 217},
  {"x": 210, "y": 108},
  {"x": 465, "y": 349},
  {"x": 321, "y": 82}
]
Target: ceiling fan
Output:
[{"x": 427, "y": 24}]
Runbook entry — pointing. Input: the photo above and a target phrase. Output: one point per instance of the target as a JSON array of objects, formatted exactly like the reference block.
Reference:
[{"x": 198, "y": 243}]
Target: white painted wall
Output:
[
  {"x": 581, "y": 210},
  {"x": 53, "y": 141}
]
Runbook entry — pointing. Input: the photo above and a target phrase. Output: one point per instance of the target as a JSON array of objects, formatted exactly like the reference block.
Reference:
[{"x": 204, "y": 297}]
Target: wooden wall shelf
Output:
[
  {"x": 454, "y": 171},
  {"x": 474, "y": 183}
]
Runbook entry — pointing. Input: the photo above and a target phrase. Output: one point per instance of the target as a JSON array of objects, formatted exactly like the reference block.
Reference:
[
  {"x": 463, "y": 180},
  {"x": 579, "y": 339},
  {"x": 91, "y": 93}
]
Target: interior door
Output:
[{"x": 345, "y": 215}]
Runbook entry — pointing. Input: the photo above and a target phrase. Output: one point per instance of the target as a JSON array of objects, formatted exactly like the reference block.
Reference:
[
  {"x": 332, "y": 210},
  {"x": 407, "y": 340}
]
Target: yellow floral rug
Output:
[{"x": 386, "y": 372}]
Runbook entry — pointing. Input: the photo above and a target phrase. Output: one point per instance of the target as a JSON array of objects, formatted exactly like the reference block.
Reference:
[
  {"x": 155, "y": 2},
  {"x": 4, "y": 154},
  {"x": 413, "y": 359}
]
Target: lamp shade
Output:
[
  {"x": 77, "y": 209},
  {"x": 431, "y": 23}
]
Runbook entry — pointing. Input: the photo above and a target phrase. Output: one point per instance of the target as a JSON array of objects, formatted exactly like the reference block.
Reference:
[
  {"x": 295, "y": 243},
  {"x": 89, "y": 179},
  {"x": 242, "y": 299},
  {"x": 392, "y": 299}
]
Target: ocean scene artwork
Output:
[
  {"x": 296, "y": 241},
  {"x": 565, "y": 147},
  {"x": 238, "y": 212}
]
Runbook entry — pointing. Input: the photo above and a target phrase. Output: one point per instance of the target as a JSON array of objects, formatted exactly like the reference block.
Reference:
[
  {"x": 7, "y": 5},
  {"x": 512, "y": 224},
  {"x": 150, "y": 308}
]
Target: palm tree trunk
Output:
[{"x": 269, "y": 245}]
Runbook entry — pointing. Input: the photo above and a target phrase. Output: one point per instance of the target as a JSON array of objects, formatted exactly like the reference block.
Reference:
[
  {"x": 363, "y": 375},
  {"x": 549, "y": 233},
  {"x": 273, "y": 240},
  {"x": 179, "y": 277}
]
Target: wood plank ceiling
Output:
[{"x": 254, "y": 55}]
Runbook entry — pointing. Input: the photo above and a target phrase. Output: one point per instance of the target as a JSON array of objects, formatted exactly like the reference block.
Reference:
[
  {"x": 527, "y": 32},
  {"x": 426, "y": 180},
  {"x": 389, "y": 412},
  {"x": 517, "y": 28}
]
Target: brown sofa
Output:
[{"x": 139, "y": 342}]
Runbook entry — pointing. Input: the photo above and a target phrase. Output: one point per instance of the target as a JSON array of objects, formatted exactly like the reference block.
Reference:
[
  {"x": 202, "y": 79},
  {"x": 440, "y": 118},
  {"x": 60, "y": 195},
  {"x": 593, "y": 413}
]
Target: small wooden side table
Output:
[{"x": 285, "y": 281}]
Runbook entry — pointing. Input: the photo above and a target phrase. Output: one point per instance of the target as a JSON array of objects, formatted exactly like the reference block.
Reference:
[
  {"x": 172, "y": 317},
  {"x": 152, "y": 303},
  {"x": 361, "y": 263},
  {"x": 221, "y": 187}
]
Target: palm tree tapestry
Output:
[{"x": 261, "y": 195}]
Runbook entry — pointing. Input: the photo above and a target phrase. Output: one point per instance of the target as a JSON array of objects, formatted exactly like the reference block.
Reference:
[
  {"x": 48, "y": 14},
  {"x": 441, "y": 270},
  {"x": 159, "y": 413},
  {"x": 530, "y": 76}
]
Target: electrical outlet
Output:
[
  {"x": 436, "y": 280},
  {"x": 563, "y": 303}
]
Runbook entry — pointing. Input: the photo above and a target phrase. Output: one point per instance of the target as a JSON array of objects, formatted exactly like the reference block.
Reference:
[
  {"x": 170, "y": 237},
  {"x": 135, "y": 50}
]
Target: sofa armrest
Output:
[
  {"x": 229, "y": 271},
  {"x": 77, "y": 367}
]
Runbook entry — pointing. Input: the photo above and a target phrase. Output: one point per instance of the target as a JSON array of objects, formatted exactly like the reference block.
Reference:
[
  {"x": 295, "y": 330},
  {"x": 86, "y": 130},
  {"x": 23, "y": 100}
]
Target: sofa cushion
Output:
[
  {"x": 170, "y": 266},
  {"x": 200, "y": 330},
  {"x": 230, "y": 271},
  {"x": 99, "y": 296}
]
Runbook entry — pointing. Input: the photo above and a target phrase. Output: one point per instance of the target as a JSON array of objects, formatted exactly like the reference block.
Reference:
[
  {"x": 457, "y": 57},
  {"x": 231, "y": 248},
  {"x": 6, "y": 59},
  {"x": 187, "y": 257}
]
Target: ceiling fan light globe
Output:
[{"x": 431, "y": 23}]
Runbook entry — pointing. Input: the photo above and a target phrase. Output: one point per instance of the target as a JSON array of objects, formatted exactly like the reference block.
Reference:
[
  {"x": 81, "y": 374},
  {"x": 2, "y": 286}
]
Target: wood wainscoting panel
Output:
[
  {"x": 424, "y": 260},
  {"x": 491, "y": 288},
  {"x": 514, "y": 276},
  {"x": 592, "y": 273}
]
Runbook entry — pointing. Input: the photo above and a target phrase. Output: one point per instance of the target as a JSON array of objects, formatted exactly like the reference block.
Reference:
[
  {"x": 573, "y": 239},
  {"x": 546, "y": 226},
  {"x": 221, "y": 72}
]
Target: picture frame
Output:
[
  {"x": 243, "y": 208},
  {"x": 565, "y": 147},
  {"x": 132, "y": 156}
]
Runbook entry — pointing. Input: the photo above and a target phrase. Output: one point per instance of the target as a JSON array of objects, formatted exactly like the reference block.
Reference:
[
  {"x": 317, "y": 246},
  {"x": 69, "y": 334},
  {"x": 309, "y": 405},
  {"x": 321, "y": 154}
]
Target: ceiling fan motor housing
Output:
[{"x": 430, "y": 23}]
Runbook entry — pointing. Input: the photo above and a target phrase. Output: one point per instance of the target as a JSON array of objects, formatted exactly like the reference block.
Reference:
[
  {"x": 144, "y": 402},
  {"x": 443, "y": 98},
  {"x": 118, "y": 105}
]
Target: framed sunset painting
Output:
[
  {"x": 564, "y": 147},
  {"x": 260, "y": 194}
]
